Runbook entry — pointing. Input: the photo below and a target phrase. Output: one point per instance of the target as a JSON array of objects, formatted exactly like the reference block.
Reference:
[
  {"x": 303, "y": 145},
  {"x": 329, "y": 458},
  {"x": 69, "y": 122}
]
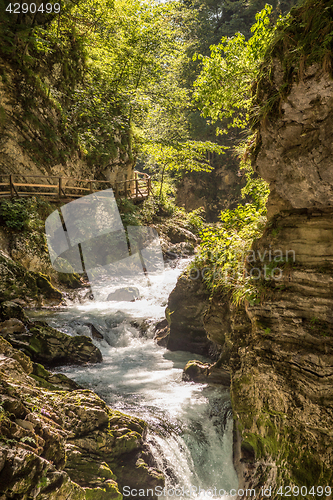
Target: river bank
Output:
[{"x": 173, "y": 425}]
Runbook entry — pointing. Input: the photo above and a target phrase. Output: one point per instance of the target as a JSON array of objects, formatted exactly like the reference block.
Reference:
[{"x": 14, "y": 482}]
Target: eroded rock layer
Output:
[{"x": 282, "y": 365}]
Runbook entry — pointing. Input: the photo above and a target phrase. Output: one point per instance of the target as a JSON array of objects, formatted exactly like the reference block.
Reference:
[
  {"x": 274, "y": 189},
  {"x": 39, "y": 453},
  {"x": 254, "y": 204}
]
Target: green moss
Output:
[
  {"x": 46, "y": 287},
  {"x": 71, "y": 280},
  {"x": 110, "y": 492},
  {"x": 43, "y": 383},
  {"x": 40, "y": 371}
]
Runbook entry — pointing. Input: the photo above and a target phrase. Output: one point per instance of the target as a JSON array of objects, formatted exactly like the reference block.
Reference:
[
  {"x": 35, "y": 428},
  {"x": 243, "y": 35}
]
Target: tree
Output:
[
  {"x": 187, "y": 156},
  {"x": 223, "y": 88}
]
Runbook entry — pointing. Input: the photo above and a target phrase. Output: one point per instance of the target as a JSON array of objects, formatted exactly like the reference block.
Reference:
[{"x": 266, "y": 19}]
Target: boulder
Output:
[
  {"x": 65, "y": 444},
  {"x": 18, "y": 283},
  {"x": 12, "y": 325},
  {"x": 94, "y": 332},
  {"x": 182, "y": 249},
  {"x": 187, "y": 305},
  {"x": 128, "y": 294},
  {"x": 178, "y": 234},
  {"x": 162, "y": 332},
  {"x": 46, "y": 345},
  {"x": 197, "y": 371},
  {"x": 10, "y": 309}
]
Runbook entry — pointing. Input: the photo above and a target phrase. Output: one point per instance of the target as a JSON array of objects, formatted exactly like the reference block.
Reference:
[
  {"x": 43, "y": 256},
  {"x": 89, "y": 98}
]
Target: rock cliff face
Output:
[
  {"x": 280, "y": 349},
  {"x": 282, "y": 377},
  {"x": 215, "y": 191},
  {"x": 34, "y": 141}
]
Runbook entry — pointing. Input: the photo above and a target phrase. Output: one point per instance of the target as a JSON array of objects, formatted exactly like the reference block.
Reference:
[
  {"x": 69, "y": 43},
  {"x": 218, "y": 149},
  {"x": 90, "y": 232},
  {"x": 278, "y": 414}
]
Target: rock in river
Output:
[{"x": 128, "y": 294}]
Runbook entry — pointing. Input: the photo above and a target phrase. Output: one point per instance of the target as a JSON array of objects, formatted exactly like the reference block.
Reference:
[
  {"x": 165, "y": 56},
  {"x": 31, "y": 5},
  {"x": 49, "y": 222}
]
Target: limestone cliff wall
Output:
[
  {"x": 215, "y": 191},
  {"x": 282, "y": 376}
]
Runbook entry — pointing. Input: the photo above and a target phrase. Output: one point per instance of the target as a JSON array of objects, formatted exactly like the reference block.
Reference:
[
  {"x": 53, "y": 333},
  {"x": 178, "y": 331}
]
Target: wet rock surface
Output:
[
  {"x": 206, "y": 373},
  {"x": 46, "y": 345},
  {"x": 57, "y": 444},
  {"x": 127, "y": 294},
  {"x": 187, "y": 305}
]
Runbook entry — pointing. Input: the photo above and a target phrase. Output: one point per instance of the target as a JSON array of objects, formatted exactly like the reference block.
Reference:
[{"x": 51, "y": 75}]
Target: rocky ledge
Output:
[
  {"x": 57, "y": 444},
  {"x": 42, "y": 343}
]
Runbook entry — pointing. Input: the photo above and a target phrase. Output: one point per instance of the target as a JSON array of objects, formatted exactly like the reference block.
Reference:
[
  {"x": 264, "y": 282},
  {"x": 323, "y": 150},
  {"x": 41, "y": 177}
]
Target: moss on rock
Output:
[{"x": 63, "y": 444}]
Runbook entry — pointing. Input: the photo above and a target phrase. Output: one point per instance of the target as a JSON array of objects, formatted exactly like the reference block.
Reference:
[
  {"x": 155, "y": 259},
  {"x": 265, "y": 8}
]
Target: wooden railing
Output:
[{"x": 62, "y": 187}]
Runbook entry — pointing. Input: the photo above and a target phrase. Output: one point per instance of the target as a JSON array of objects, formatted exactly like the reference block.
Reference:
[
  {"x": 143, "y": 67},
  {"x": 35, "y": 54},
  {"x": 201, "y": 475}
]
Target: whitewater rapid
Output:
[{"x": 190, "y": 424}]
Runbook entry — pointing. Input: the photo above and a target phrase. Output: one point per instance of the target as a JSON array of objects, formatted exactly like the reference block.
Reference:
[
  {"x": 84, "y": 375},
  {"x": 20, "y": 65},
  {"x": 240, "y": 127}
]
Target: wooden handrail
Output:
[{"x": 137, "y": 188}]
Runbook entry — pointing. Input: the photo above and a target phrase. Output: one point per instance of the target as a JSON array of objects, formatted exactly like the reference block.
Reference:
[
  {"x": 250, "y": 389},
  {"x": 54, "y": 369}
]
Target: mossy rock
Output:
[
  {"x": 108, "y": 492},
  {"x": 46, "y": 287},
  {"x": 10, "y": 309},
  {"x": 46, "y": 345},
  {"x": 17, "y": 282},
  {"x": 70, "y": 280}
]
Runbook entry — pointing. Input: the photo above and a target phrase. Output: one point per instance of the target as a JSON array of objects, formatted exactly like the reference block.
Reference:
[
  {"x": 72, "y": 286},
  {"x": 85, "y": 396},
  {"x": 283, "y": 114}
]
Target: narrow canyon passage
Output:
[{"x": 190, "y": 425}]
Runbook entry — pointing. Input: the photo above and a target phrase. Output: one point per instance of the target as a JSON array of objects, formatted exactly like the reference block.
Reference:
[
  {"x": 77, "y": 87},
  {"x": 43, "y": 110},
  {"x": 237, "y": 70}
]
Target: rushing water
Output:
[{"x": 190, "y": 424}]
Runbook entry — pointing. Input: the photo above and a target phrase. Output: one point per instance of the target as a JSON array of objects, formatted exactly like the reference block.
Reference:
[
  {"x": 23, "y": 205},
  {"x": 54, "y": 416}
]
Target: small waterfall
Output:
[{"x": 190, "y": 424}]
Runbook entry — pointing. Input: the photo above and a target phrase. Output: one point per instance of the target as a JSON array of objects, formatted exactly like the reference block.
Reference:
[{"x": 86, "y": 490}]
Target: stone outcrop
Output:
[
  {"x": 296, "y": 149},
  {"x": 33, "y": 288},
  {"x": 56, "y": 444},
  {"x": 187, "y": 305},
  {"x": 206, "y": 373},
  {"x": 215, "y": 191},
  {"x": 282, "y": 377},
  {"x": 42, "y": 343}
]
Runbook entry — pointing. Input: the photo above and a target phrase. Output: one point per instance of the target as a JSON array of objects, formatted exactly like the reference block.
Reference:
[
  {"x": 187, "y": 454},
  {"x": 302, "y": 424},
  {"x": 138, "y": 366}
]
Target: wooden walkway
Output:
[{"x": 66, "y": 188}]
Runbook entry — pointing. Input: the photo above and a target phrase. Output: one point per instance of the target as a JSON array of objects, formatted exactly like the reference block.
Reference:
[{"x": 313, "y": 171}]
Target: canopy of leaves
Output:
[
  {"x": 188, "y": 156},
  {"x": 223, "y": 88}
]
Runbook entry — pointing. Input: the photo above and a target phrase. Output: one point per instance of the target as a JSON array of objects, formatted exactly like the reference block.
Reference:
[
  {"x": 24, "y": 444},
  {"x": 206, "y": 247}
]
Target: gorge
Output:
[{"x": 208, "y": 380}]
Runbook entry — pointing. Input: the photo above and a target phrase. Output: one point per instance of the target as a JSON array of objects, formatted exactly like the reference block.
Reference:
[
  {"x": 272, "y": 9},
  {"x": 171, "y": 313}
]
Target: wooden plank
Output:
[
  {"x": 27, "y": 193},
  {"x": 136, "y": 188},
  {"x": 37, "y": 185},
  {"x": 77, "y": 188}
]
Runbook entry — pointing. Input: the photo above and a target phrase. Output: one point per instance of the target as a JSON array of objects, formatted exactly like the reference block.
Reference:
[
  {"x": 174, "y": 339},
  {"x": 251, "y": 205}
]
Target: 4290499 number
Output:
[
  {"x": 303, "y": 491},
  {"x": 32, "y": 8}
]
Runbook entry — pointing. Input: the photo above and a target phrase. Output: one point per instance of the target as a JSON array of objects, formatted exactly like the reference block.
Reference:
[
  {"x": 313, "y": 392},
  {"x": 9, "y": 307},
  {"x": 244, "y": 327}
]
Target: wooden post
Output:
[
  {"x": 125, "y": 189},
  {"x": 136, "y": 186},
  {"x": 11, "y": 186},
  {"x": 90, "y": 186},
  {"x": 149, "y": 186},
  {"x": 60, "y": 187}
]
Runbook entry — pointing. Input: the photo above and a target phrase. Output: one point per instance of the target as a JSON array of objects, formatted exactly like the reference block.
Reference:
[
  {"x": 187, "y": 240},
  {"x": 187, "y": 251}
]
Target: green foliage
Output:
[
  {"x": 186, "y": 156},
  {"x": 25, "y": 213},
  {"x": 255, "y": 186},
  {"x": 223, "y": 88},
  {"x": 195, "y": 220},
  {"x": 128, "y": 212},
  {"x": 222, "y": 252},
  {"x": 16, "y": 213},
  {"x": 97, "y": 65}
]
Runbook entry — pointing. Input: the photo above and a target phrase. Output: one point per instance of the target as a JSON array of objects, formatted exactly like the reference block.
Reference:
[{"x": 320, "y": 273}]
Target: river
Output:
[{"x": 190, "y": 424}]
